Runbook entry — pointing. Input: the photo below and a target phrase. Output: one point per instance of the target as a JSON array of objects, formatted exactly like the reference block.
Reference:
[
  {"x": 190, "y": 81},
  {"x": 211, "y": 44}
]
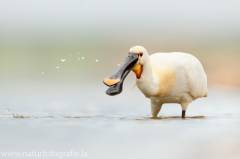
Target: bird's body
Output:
[
  {"x": 175, "y": 78},
  {"x": 163, "y": 77}
]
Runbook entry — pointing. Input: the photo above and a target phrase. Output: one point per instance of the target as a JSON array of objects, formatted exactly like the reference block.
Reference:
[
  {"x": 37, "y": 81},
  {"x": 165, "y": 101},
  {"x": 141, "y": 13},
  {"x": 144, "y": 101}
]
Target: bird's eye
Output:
[{"x": 141, "y": 54}]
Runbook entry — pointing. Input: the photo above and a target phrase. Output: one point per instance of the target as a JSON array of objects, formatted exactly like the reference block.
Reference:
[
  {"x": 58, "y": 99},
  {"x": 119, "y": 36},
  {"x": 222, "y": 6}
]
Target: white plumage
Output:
[{"x": 170, "y": 78}]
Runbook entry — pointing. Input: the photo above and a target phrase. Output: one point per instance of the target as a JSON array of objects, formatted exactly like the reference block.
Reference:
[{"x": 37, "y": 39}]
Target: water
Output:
[
  {"x": 63, "y": 59},
  {"x": 120, "y": 126}
]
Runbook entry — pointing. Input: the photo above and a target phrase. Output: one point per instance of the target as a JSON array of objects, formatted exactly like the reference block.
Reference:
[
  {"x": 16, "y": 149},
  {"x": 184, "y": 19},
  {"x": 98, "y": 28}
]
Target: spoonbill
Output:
[{"x": 162, "y": 77}]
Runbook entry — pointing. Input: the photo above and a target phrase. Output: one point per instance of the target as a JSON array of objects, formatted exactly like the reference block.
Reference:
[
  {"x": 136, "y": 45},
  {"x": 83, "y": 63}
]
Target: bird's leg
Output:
[
  {"x": 184, "y": 108},
  {"x": 183, "y": 113},
  {"x": 155, "y": 107}
]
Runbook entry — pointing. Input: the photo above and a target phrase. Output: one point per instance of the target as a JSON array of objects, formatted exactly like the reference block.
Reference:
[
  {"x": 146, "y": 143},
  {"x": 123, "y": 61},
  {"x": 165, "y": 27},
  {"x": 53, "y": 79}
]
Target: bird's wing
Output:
[{"x": 196, "y": 77}]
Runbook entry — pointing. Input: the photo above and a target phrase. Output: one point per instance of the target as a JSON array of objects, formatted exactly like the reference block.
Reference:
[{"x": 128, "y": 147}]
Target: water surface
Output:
[{"x": 121, "y": 126}]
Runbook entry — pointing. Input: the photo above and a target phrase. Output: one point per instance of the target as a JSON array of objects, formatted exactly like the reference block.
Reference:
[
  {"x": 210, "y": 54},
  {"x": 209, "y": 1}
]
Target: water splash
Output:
[
  {"x": 78, "y": 52},
  {"x": 63, "y": 59},
  {"x": 96, "y": 60},
  {"x": 19, "y": 116},
  {"x": 70, "y": 55},
  {"x": 42, "y": 72},
  {"x": 82, "y": 57},
  {"x": 57, "y": 66}
]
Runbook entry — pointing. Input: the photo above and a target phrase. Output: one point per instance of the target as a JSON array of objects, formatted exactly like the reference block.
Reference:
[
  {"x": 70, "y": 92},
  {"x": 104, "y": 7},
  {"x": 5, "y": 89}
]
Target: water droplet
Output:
[
  {"x": 42, "y": 72},
  {"x": 57, "y": 66},
  {"x": 82, "y": 57},
  {"x": 79, "y": 58},
  {"x": 96, "y": 60},
  {"x": 63, "y": 59},
  {"x": 118, "y": 64},
  {"x": 7, "y": 110}
]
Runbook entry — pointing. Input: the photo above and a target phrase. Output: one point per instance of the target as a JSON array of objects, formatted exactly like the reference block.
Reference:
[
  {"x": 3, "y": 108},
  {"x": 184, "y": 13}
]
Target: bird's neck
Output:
[{"x": 147, "y": 82}]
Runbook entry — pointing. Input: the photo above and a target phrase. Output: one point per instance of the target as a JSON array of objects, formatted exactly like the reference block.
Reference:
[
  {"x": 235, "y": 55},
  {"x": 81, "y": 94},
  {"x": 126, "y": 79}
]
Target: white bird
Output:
[{"x": 163, "y": 77}]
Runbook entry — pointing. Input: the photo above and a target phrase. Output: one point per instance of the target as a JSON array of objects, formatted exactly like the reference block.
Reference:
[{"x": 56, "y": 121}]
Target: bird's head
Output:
[
  {"x": 142, "y": 57},
  {"x": 134, "y": 61}
]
